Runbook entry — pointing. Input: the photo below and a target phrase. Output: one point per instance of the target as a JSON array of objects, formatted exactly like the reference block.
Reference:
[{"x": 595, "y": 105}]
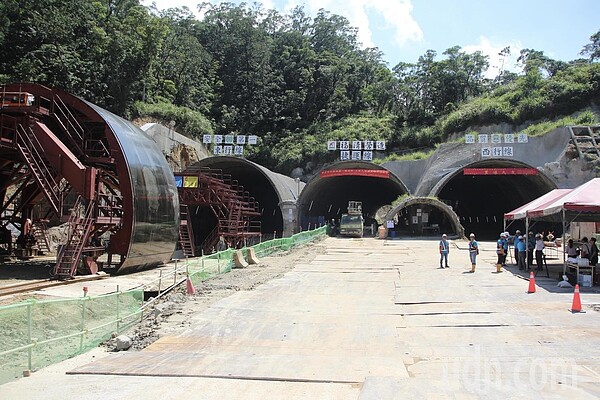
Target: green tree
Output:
[
  {"x": 376, "y": 84},
  {"x": 183, "y": 72},
  {"x": 592, "y": 49},
  {"x": 241, "y": 50},
  {"x": 409, "y": 92},
  {"x": 430, "y": 88},
  {"x": 53, "y": 42}
]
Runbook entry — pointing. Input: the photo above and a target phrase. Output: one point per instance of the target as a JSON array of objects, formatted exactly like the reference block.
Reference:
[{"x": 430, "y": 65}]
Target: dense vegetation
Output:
[{"x": 293, "y": 80}]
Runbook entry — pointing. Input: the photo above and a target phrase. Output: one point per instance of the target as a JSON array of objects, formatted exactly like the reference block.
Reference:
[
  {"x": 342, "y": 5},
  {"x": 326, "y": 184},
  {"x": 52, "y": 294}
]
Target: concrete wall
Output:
[
  {"x": 409, "y": 172},
  {"x": 546, "y": 153}
]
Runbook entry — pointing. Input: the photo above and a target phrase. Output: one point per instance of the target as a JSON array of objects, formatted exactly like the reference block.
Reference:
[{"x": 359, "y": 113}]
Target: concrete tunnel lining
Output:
[{"x": 537, "y": 180}]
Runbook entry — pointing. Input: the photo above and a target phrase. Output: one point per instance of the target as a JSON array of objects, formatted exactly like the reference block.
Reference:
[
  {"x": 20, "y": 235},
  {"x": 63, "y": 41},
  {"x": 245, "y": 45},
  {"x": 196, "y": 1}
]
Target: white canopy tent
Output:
[{"x": 581, "y": 204}]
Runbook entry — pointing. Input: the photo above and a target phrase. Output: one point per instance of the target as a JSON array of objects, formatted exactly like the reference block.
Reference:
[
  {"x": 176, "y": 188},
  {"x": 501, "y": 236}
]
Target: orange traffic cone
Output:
[
  {"x": 531, "y": 283},
  {"x": 576, "y": 307},
  {"x": 191, "y": 290}
]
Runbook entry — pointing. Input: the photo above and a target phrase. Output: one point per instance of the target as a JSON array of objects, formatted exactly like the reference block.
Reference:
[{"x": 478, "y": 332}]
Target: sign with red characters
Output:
[
  {"x": 372, "y": 173},
  {"x": 500, "y": 171}
]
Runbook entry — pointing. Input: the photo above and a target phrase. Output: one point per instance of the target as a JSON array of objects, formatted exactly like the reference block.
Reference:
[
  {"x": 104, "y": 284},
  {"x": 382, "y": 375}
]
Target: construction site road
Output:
[{"x": 360, "y": 319}]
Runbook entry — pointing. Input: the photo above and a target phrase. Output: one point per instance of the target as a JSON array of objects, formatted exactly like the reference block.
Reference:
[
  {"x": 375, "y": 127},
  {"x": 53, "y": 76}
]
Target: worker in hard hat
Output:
[{"x": 473, "y": 251}]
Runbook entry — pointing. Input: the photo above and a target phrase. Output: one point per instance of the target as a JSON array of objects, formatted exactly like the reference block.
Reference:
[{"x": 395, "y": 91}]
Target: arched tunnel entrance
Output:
[
  {"x": 424, "y": 216},
  {"x": 482, "y": 192},
  {"x": 327, "y": 195},
  {"x": 267, "y": 188}
]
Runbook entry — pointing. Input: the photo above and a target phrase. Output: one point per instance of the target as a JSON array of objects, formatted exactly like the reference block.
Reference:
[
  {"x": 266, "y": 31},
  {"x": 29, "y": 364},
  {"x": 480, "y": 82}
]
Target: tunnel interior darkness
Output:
[
  {"x": 203, "y": 222},
  {"x": 481, "y": 200},
  {"x": 324, "y": 199}
]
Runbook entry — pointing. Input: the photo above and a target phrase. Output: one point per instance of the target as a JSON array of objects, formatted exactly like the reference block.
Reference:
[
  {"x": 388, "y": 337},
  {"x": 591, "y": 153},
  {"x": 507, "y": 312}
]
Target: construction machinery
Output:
[
  {"x": 351, "y": 223},
  {"x": 65, "y": 161}
]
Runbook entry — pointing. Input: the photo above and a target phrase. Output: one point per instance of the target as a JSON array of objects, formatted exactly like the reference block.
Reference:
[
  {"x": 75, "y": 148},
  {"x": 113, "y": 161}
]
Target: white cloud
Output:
[
  {"x": 396, "y": 14},
  {"x": 492, "y": 50}
]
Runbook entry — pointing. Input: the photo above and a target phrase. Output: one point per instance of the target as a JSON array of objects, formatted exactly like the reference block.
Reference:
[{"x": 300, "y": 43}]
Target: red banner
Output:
[
  {"x": 500, "y": 171},
  {"x": 372, "y": 173}
]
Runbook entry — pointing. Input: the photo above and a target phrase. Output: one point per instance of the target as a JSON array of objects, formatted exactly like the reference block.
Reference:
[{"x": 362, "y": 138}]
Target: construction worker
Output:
[
  {"x": 6, "y": 238},
  {"x": 539, "y": 253},
  {"x": 530, "y": 249},
  {"x": 222, "y": 244},
  {"x": 506, "y": 245},
  {"x": 517, "y": 237},
  {"x": 332, "y": 228},
  {"x": 444, "y": 250},
  {"x": 500, "y": 252},
  {"x": 473, "y": 251},
  {"x": 521, "y": 249}
]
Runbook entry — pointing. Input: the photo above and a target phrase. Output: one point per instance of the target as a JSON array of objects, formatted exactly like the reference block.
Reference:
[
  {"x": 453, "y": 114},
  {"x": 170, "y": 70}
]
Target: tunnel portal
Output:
[
  {"x": 326, "y": 196},
  {"x": 268, "y": 189},
  {"x": 424, "y": 216},
  {"x": 482, "y": 192}
]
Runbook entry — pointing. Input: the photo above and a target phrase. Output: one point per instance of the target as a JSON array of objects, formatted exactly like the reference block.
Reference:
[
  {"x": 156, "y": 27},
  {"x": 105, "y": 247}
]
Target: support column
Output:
[{"x": 289, "y": 211}]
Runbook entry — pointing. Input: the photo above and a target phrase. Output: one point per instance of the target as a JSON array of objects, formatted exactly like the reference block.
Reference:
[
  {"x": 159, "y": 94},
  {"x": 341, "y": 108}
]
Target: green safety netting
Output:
[
  {"x": 284, "y": 244},
  {"x": 205, "y": 267},
  {"x": 35, "y": 334}
]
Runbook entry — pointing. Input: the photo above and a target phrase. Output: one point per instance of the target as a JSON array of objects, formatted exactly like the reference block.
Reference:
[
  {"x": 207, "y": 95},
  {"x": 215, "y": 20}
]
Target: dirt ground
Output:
[{"x": 170, "y": 315}]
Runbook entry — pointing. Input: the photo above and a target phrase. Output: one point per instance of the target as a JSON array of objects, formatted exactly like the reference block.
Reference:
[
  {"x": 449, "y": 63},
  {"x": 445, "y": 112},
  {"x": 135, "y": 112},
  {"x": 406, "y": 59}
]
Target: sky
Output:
[{"x": 405, "y": 29}]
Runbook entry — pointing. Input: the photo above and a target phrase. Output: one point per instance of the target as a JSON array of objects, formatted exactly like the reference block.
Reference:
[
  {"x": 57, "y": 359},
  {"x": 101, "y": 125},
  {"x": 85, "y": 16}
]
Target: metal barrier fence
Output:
[{"x": 35, "y": 334}]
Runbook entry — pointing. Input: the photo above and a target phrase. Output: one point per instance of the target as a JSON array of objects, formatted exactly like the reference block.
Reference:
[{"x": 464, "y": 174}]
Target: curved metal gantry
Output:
[{"x": 65, "y": 159}]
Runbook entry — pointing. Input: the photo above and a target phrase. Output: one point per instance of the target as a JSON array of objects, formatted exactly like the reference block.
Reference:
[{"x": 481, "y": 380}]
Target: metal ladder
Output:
[
  {"x": 586, "y": 140},
  {"x": 80, "y": 227},
  {"x": 47, "y": 179},
  {"x": 38, "y": 229},
  {"x": 68, "y": 123},
  {"x": 184, "y": 232}
]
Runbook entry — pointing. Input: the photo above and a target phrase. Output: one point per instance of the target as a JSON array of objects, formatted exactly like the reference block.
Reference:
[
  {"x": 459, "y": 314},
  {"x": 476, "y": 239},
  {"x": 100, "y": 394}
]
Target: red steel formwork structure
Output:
[
  {"x": 64, "y": 159},
  {"x": 236, "y": 212}
]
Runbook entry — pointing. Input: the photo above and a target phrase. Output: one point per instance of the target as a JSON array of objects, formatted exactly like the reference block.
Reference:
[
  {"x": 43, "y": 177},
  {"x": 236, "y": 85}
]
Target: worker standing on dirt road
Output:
[{"x": 222, "y": 244}]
